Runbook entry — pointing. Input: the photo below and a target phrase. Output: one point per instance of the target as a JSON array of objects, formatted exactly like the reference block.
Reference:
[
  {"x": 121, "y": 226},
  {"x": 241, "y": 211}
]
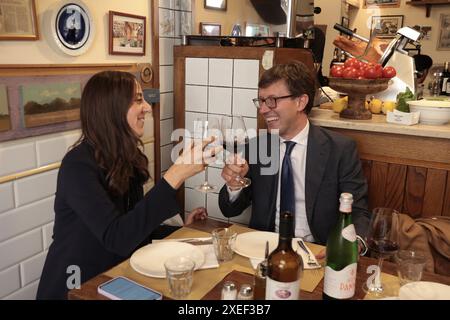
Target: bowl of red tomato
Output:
[{"x": 356, "y": 69}]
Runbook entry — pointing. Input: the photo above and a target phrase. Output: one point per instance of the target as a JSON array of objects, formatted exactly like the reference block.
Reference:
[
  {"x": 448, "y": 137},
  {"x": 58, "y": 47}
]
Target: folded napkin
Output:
[
  {"x": 302, "y": 253},
  {"x": 210, "y": 257}
]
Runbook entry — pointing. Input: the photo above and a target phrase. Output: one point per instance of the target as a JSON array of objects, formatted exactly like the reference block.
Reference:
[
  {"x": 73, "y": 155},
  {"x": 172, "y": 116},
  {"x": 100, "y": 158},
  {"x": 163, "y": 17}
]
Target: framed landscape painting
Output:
[{"x": 44, "y": 104}]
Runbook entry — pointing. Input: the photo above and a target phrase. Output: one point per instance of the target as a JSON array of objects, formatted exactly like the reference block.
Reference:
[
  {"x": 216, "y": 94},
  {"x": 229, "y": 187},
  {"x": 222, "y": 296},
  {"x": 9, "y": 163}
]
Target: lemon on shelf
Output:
[
  {"x": 340, "y": 104},
  {"x": 375, "y": 105},
  {"x": 388, "y": 106}
]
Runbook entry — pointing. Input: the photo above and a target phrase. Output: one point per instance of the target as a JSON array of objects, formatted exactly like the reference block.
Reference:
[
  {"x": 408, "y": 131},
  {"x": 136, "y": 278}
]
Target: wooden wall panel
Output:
[
  {"x": 434, "y": 192},
  {"x": 414, "y": 191},
  {"x": 395, "y": 186},
  {"x": 377, "y": 184},
  {"x": 367, "y": 168},
  {"x": 446, "y": 206}
]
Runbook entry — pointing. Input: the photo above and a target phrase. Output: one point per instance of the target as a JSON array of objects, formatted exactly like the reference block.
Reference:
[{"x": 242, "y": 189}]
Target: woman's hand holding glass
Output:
[{"x": 192, "y": 160}]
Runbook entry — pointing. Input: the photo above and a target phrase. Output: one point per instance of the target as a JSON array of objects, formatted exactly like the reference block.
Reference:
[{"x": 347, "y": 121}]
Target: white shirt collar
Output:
[{"x": 301, "y": 137}]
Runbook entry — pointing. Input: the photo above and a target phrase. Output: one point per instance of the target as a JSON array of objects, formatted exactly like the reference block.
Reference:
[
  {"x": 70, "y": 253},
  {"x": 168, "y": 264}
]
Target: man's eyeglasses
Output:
[{"x": 271, "y": 102}]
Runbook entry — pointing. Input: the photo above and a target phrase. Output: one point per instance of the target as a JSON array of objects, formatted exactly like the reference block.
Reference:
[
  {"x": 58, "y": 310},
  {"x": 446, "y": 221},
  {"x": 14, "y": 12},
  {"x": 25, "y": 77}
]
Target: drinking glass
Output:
[
  {"x": 235, "y": 140},
  {"x": 382, "y": 241},
  {"x": 204, "y": 129},
  {"x": 180, "y": 274}
]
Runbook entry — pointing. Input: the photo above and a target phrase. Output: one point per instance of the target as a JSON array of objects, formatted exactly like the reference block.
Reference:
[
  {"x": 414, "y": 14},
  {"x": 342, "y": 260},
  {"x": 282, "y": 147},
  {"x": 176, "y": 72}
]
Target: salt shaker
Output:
[
  {"x": 229, "y": 291},
  {"x": 245, "y": 293}
]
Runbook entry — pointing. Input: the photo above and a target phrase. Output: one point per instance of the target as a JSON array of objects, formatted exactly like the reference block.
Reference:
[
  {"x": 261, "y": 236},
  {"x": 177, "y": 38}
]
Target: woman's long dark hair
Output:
[{"x": 105, "y": 101}]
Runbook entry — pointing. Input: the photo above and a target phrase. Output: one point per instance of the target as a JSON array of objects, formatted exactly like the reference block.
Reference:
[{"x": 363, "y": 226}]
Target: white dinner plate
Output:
[
  {"x": 253, "y": 244},
  {"x": 424, "y": 290},
  {"x": 149, "y": 260}
]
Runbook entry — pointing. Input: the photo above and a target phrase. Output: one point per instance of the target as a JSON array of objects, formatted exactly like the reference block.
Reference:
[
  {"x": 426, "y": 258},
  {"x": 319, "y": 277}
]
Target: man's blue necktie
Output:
[{"x": 287, "y": 196}]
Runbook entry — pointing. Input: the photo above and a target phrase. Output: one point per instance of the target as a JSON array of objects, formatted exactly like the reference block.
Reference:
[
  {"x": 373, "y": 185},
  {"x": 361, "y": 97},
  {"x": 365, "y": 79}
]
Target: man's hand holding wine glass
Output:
[{"x": 235, "y": 168}]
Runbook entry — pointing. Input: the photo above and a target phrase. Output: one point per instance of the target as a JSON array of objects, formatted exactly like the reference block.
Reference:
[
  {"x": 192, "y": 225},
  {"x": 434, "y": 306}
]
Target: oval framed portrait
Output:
[{"x": 73, "y": 28}]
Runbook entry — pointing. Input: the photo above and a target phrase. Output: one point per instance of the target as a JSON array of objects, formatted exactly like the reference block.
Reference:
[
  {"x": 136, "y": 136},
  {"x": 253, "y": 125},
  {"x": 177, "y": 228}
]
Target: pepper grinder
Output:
[{"x": 260, "y": 277}]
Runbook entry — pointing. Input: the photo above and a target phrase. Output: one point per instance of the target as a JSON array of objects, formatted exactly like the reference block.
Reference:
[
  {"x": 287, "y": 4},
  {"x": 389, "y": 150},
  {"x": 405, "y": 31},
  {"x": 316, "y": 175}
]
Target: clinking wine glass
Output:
[
  {"x": 204, "y": 129},
  {"x": 235, "y": 140},
  {"x": 382, "y": 240}
]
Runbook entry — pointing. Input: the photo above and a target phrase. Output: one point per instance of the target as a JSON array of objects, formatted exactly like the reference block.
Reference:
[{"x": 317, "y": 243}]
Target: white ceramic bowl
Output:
[{"x": 431, "y": 111}]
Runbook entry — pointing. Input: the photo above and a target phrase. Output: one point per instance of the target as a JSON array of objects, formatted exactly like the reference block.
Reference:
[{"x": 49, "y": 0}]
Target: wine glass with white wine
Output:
[{"x": 205, "y": 129}]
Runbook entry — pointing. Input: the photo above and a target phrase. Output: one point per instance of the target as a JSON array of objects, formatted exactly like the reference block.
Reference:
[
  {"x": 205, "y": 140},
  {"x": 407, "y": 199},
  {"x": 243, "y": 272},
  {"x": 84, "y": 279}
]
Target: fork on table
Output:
[{"x": 311, "y": 262}]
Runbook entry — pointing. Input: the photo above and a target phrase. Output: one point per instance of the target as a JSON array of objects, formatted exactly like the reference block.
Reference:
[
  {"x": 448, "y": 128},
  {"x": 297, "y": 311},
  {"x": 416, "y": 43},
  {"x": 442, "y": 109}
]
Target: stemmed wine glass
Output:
[
  {"x": 204, "y": 129},
  {"x": 235, "y": 140},
  {"x": 382, "y": 239}
]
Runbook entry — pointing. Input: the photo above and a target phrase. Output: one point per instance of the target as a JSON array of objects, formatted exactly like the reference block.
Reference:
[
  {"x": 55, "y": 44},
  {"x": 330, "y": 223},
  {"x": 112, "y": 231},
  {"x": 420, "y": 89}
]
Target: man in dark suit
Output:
[{"x": 323, "y": 164}]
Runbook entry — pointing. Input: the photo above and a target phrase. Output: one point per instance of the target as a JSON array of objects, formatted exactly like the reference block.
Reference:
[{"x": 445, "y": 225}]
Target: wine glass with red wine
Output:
[
  {"x": 382, "y": 240},
  {"x": 235, "y": 140}
]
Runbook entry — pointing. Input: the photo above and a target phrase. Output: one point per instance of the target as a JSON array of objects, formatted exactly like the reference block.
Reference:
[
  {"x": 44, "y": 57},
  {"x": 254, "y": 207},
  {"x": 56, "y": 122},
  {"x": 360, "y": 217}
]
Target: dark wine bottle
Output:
[
  {"x": 284, "y": 265},
  {"x": 445, "y": 90},
  {"x": 342, "y": 254}
]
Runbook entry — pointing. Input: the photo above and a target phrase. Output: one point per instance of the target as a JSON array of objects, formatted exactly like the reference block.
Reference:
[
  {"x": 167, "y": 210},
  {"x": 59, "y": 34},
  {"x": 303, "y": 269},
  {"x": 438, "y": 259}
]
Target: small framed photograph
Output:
[
  {"x": 386, "y": 26},
  {"x": 18, "y": 20},
  {"x": 210, "y": 29},
  {"x": 256, "y": 30},
  {"x": 126, "y": 34},
  {"x": 444, "y": 35},
  {"x": 216, "y": 4},
  {"x": 381, "y": 3}
]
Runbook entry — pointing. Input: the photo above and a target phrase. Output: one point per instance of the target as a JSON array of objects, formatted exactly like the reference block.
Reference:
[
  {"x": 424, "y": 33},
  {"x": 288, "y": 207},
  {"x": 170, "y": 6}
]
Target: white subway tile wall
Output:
[
  {"x": 6, "y": 197},
  {"x": 19, "y": 248},
  {"x": 31, "y": 216},
  {"x": 175, "y": 19},
  {"x": 47, "y": 234},
  {"x": 35, "y": 187},
  {"x": 166, "y": 131},
  {"x": 231, "y": 84},
  {"x": 17, "y": 158},
  {"x": 166, "y": 105},
  {"x": 31, "y": 268},
  {"x": 9, "y": 280},
  {"x": 53, "y": 150},
  {"x": 25, "y": 293}
]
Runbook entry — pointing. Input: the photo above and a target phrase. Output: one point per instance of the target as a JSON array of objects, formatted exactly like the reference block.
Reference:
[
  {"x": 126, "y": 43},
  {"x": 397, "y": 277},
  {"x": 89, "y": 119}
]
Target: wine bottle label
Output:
[
  {"x": 349, "y": 233},
  {"x": 340, "y": 284},
  {"x": 276, "y": 290}
]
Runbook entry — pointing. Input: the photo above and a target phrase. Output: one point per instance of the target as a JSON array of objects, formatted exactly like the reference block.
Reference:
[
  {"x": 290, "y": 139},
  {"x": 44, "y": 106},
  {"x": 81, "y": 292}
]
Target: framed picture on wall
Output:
[
  {"x": 18, "y": 20},
  {"x": 386, "y": 26},
  {"x": 72, "y": 27},
  {"x": 216, "y": 4},
  {"x": 381, "y": 3},
  {"x": 126, "y": 34},
  {"x": 444, "y": 35},
  {"x": 210, "y": 29}
]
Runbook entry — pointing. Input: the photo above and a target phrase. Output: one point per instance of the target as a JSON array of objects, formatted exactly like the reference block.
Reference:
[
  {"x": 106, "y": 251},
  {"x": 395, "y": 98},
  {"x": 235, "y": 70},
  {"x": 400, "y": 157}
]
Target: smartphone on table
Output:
[{"x": 121, "y": 288}]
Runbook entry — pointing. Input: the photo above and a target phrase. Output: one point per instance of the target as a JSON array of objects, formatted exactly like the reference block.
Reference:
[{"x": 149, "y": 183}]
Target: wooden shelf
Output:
[{"x": 428, "y": 4}]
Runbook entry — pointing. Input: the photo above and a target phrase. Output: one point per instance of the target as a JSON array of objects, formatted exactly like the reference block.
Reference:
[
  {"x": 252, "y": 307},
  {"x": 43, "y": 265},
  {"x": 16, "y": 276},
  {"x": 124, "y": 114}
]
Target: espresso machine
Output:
[{"x": 396, "y": 56}]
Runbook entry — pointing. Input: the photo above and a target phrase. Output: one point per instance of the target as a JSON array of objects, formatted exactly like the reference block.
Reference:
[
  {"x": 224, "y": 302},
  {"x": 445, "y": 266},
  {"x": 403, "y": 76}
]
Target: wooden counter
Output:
[{"x": 407, "y": 167}]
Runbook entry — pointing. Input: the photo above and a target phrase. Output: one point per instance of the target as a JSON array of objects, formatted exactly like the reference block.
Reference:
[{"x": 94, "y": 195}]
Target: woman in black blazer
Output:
[{"x": 101, "y": 213}]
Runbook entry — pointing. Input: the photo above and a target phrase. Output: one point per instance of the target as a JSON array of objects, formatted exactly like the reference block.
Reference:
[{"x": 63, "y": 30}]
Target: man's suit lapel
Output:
[{"x": 316, "y": 161}]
